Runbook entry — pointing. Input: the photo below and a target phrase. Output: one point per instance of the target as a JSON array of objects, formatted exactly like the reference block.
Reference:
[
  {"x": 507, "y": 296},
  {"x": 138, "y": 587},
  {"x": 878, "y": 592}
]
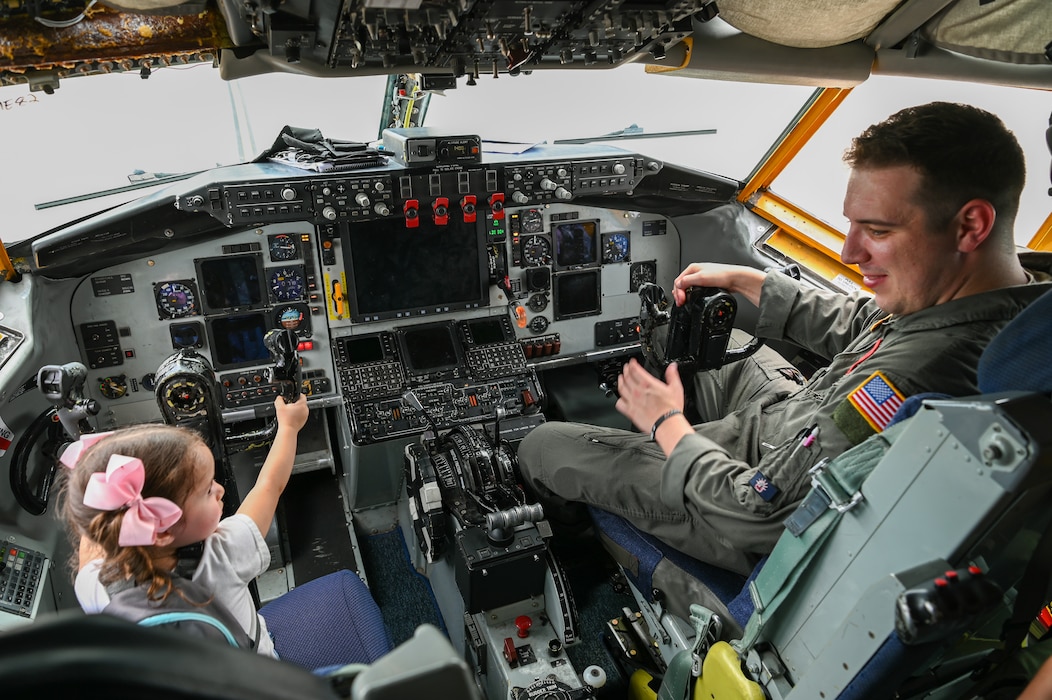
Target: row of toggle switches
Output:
[{"x": 440, "y": 209}]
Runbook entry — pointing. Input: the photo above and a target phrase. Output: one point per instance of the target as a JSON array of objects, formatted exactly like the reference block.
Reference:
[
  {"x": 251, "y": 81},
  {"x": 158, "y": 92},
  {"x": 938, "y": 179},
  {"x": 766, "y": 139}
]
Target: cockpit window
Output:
[
  {"x": 816, "y": 178},
  {"x": 125, "y": 136},
  {"x": 716, "y": 126}
]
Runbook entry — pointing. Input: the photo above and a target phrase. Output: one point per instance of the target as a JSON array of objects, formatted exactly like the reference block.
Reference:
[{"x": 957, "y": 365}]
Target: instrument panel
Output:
[{"x": 423, "y": 297}]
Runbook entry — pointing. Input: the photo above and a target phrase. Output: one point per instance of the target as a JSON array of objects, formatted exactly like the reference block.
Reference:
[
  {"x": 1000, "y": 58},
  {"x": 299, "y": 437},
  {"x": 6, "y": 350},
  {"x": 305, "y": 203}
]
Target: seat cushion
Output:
[
  {"x": 332, "y": 620},
  {"x": 658, "y": 570}
]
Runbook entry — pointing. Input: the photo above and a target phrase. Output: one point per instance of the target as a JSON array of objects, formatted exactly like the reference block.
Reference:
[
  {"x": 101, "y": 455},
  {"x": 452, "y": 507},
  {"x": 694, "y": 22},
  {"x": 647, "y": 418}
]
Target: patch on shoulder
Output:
[
  {"x": 763, "y": 486},
  {"x": 869, "y": 408}
]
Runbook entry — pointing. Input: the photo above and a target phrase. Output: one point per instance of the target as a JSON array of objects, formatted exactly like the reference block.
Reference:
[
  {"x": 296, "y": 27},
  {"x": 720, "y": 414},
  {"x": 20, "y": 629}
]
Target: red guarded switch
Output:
[
  {"x": 441, "y": 209},
  {"x": 411, "y": 209}
]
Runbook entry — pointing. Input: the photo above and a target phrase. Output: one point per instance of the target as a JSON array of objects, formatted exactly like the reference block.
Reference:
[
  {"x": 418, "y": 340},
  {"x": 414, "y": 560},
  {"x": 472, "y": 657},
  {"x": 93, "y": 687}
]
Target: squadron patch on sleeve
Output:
[
  {"x": 763, "y": 486},
  {"x": 869, "y": 408}
]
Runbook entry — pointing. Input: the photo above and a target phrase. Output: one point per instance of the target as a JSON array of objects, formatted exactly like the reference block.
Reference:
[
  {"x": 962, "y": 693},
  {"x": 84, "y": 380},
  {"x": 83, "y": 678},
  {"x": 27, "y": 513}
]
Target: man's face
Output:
[{"x": 908, "y": 266}]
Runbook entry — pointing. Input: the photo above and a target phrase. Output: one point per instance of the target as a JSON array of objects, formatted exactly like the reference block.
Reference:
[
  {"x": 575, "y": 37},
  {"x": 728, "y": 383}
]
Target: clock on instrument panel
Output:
[{"x": 175, "y": 299}]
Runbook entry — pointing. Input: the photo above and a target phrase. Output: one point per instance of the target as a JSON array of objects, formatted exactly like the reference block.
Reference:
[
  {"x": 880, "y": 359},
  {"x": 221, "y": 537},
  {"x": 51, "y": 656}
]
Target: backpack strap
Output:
[
  {"x": 205, "y": 618},
  {"x": 182, "y": 616}
]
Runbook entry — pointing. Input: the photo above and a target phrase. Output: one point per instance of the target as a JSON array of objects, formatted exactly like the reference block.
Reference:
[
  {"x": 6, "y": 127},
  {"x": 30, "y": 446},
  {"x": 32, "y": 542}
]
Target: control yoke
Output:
[
  {"x": 287, "y": 372},
  {"x": 187, "y": 390},
  {"x": 699, "y": 330},
  {"x": 64, "y": 421}
]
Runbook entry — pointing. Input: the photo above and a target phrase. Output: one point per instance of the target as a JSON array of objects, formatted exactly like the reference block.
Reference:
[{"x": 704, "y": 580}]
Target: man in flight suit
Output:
[{"x": 931, "y": 203}]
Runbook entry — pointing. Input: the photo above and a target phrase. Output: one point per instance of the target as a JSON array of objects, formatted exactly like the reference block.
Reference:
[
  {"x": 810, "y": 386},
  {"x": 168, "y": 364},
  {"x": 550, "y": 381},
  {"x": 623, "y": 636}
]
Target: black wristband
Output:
[{"x": 664, "y": 416}]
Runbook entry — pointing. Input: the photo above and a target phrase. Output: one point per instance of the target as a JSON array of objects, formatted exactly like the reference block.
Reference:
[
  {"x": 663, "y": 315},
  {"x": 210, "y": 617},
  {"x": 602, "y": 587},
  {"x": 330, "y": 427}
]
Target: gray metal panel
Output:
[
  {"x": 721, "y": 52},
  {"x": 926, "y": 501},
  {"x": 932, "y": 62},
  {"x": 425, "y": 666}
]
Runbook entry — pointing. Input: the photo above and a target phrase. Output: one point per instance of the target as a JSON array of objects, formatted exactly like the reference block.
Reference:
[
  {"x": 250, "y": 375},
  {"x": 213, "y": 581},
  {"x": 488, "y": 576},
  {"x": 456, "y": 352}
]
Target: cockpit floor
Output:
[{"x": 319, "y": 541}]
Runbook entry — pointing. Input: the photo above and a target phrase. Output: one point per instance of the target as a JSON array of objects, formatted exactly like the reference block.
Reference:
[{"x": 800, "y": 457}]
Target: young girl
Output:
[{"x": 135, "y": 496}]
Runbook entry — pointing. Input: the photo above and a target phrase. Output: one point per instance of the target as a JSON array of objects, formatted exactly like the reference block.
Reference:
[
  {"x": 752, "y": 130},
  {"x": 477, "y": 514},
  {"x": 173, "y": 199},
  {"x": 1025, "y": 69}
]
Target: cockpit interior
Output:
[{"x": 436, "y": 295}]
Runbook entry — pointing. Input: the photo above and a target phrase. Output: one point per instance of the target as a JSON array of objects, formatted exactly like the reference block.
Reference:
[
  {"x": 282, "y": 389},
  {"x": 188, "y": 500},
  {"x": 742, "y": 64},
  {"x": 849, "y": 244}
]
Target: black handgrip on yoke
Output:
[
  {"x": 287, "y": 372},
  {"x": 700, "y": 330}
]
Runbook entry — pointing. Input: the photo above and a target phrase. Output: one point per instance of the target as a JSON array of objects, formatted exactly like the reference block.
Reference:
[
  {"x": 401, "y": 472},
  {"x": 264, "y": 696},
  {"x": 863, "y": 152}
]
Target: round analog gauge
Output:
[
  {"x": 287, "y": 284},
  {"x": 538, "y": 302},
  {"x": 175, "y": 299},
  {"x": 283, "y": 247},
  {"x": 536, "y": 250},
  {"x": 531, "y": 221},
  {"x": 292, "y": 318},
  {"x": 641, "y": 273},
  {"x": 185, "y": 396},
  {"x": 615, "y": 247},
  {"x": 538, "y": 324}
]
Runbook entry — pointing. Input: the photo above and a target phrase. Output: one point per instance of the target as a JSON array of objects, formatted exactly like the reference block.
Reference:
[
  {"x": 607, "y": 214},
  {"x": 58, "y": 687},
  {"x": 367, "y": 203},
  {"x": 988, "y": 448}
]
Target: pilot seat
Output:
[{"x": 915, "y": 565}]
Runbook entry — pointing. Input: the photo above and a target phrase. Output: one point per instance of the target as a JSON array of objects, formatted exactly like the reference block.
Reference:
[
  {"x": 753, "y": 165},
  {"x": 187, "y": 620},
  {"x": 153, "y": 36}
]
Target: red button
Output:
[{"x": 523, "y": 623}]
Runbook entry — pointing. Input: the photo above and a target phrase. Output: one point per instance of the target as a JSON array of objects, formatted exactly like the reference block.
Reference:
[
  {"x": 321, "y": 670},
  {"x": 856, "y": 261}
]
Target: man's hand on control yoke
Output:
[
  {"x": 739, "y": 279},
  {"x": 644, "y": 398}
]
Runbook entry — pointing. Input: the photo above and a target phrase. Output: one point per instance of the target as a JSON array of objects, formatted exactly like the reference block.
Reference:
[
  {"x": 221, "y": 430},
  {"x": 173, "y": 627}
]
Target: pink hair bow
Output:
[
  {"x": 121, "y": 485},
  {"x": 71, "y": 455}
]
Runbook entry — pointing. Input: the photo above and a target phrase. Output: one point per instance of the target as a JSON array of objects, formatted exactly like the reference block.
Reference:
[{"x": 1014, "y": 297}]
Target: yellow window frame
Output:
[{"x": 800, "y": 235}]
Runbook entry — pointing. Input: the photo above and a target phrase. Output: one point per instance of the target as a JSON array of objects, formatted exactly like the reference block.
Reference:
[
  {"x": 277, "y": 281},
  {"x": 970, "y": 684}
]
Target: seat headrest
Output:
[{"x": 1019, "y": 358}]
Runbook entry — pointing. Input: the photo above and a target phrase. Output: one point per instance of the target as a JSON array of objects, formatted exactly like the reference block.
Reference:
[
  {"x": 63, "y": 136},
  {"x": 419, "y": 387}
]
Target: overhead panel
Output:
[{"x": 100, "y": 40}]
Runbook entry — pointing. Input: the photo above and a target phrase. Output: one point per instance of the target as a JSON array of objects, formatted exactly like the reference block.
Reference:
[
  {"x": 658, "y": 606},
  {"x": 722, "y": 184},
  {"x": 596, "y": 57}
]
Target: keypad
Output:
[{"x": 20, "y": 574}]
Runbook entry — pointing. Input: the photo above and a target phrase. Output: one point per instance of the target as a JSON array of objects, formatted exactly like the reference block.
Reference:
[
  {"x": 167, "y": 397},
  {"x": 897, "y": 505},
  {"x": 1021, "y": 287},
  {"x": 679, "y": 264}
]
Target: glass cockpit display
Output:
[
  {"x": 576, "y": 244},
  {"x": 429, "y": 348},
  {"x": 237, "y": 340},
  {"x": 399, "y": 272},
  {"x": 577, "y": 294},
  {"x": 232, "y": 282}
]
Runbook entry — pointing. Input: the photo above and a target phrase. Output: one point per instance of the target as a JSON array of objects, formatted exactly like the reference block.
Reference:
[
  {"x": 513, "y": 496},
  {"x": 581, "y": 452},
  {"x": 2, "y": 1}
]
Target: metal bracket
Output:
[
  {"x": 839, "y": 499},
  {"x": 708, "y": 627}
]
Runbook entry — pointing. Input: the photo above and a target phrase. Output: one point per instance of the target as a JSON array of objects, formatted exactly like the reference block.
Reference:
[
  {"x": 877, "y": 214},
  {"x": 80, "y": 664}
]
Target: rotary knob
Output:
[
  {"x": 519, "y": 197},
  {"x": 329, "y": 213},
  {"x": 362, "y": 199},
  {"x": 288, "y": 194},
  {"x": 619, "y": 168}
]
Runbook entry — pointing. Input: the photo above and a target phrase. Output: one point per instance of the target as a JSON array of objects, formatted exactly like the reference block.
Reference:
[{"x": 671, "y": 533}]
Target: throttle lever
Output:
[{"x": 287, "y": 371}]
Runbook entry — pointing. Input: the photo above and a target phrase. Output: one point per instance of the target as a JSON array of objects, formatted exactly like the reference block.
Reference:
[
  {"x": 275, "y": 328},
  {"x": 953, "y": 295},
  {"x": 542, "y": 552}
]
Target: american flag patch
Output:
[{"x": 877, "y": 400}]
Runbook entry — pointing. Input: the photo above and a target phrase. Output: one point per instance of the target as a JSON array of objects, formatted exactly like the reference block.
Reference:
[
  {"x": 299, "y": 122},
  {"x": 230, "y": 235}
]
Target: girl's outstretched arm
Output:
[{"x": 262, "y": 500}]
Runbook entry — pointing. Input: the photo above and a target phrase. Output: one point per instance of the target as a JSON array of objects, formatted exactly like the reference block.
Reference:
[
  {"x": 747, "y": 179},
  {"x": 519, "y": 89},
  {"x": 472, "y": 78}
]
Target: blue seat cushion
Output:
[
  {"x": 680, "y": 579},
  {"x": 332, "y": 620}
]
